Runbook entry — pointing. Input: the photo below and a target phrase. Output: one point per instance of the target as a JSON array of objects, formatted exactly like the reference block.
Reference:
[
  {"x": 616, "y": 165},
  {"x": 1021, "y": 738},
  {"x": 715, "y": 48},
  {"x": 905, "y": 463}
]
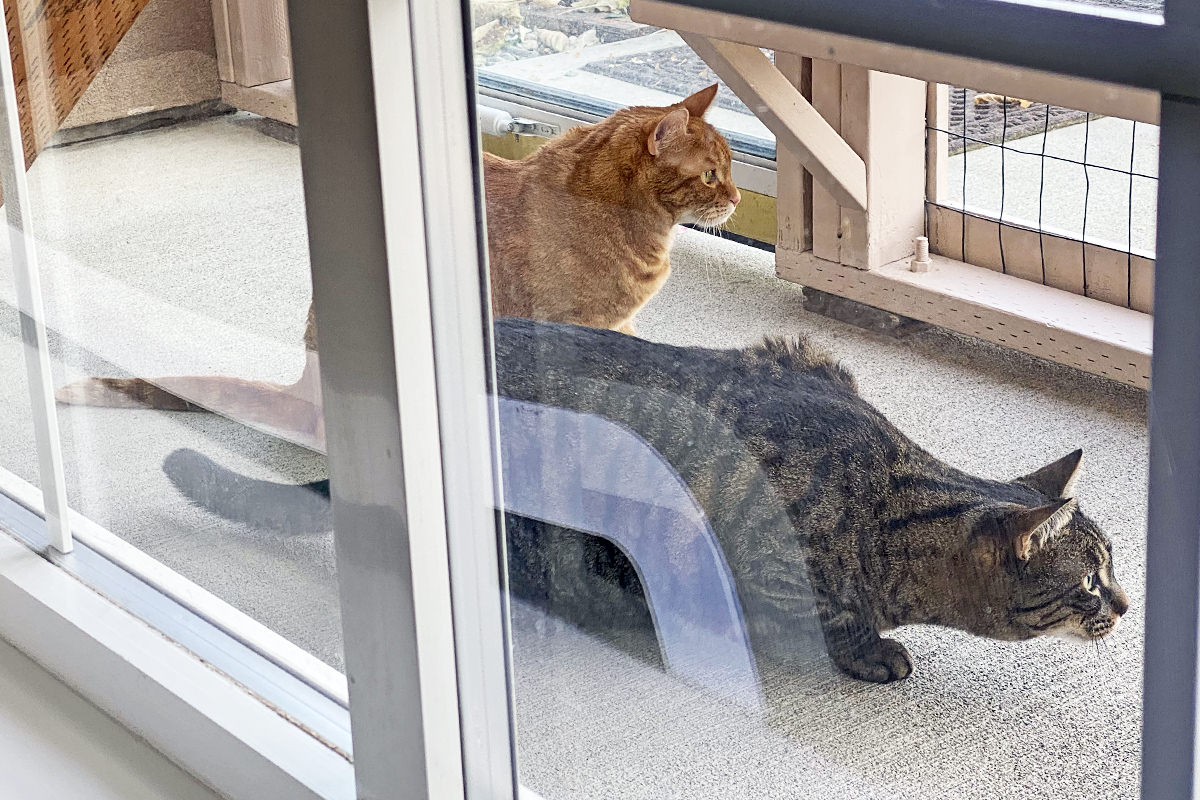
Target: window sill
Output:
[{"x": 196, "y": 716}]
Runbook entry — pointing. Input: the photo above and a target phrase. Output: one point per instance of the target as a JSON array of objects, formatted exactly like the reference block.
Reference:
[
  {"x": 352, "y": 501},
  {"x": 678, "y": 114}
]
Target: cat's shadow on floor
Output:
[{"x": 1057, "y": 382}]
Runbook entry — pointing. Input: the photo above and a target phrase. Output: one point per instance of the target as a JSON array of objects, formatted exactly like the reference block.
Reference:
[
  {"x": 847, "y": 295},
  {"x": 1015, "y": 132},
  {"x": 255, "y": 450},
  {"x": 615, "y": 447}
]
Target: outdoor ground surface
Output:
[{"x": 183, "y": 251}]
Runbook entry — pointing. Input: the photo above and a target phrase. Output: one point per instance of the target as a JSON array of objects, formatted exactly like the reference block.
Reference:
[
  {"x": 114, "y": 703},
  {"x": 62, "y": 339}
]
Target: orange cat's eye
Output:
[{"x": 709, "y": 176}]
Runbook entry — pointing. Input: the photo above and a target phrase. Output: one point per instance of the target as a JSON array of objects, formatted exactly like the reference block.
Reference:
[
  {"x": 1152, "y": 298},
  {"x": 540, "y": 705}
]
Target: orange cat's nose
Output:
[{"x": 736, "y": 197}]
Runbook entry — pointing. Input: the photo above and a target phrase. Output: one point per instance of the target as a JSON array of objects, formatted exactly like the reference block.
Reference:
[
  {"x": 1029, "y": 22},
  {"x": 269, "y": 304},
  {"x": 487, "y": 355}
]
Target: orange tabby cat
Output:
[{"x": 578, "y": 232}]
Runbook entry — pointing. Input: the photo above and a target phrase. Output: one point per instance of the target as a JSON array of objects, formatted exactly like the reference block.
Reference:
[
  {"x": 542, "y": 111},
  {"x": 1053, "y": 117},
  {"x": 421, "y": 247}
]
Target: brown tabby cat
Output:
[
  {"x": 579, "y": 231},
  {"x": 836, "y": 527}
]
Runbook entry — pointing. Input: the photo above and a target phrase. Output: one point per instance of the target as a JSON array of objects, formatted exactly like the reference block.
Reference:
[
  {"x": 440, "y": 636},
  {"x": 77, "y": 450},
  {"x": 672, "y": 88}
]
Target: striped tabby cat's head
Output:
[{"x": 1054, "y": 565}]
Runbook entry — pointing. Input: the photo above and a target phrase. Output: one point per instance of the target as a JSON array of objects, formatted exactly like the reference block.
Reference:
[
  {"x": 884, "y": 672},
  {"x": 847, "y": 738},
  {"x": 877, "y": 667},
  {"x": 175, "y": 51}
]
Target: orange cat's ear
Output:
[
  {"x": 699, "y": 102},
  {"x": 670, "y": 126}
]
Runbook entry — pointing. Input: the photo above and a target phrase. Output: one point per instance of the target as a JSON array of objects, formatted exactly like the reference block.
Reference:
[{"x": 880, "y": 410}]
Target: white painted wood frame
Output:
[
  {"x": 797, "y": 126},
  {"x": 1082, "y": 332},
  {"x": 1046, "y": 87},
  {"x": 1104, "y": 273},
  {"x": 1077, "y": 304},
  {"x": 196, "y": 716}
]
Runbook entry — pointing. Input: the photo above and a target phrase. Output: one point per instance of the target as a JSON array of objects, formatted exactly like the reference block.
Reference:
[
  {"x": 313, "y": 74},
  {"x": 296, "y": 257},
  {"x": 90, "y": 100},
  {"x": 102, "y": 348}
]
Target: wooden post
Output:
[
  {"x": 937, "y": 142},
  {"x": 793, "y": 193},
  {"x": 252, "y": 41},
  {"x": 254, "y": 57},
  {"x": 882, "y": 117},
  {"x": 827, "y": 99}
]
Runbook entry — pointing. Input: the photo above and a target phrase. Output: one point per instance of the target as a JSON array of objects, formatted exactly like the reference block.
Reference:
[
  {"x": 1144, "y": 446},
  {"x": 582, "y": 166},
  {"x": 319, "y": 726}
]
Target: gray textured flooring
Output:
[{"x": 182, "y": 250}]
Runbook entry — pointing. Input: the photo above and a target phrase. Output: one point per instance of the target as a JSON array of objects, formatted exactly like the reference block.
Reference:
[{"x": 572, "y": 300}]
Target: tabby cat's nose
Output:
[
  {"x": 1120, "y": 601},
  {"x": 736, "y": 197}
]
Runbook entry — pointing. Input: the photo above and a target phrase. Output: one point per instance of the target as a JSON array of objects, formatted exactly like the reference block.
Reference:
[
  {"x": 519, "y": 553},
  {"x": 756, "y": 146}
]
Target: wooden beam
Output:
[
  {"x": 1081, "y": 332},
  {"x": 1030, "y": 84},
  {"x": 272, "y": 100},
  {"x": 796, "y": 124},
  {"x": 883, "y": 120},
  {"x": 224, "y": 43}
]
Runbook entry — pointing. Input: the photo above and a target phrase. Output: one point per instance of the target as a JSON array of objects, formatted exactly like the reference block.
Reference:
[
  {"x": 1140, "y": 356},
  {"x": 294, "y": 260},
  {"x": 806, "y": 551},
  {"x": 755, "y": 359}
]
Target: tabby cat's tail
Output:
[
  {"x": 121, "y": 393},
  {"x": 283, "y": 507}
]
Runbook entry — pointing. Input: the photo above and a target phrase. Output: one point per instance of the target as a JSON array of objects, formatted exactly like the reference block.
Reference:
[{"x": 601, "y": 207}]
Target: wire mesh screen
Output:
[{"x": 1061, "y": 173}]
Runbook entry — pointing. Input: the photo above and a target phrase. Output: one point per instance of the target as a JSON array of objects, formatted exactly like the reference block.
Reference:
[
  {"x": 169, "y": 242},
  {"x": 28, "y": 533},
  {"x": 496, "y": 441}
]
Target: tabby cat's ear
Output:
[
  {"x": 670, "y": 126},
  {"x": 1058, "y": 478},
  {"x": 1030, "y": 529},
  {"x": 698, "y": 103}
]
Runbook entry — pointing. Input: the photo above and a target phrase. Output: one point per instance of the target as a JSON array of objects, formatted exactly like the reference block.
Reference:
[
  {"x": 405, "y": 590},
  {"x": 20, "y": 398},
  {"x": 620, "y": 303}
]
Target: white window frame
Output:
[
  {"x": 198, "y": 717},
  {"x": 382, "y": 92}
]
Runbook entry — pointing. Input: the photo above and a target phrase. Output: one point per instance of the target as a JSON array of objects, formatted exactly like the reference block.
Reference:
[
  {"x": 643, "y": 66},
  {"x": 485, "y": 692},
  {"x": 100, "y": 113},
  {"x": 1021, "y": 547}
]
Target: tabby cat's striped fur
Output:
[{"x": 817, "y": 500}]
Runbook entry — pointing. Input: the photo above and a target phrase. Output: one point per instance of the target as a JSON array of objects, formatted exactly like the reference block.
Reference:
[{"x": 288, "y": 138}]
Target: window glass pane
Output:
[
  {"x": 757, "y": 552},
  {"x": 173, "y": 254},
  {"x": 18, "y": 455},
  {"x": 662, "y": 647}
]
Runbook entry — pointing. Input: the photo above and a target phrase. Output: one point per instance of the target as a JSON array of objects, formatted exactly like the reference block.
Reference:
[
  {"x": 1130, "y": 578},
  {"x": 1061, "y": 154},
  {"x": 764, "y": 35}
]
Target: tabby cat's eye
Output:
[
  {"x": 1091, "y": 583},
  {"x": 709, "y": 176}
]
